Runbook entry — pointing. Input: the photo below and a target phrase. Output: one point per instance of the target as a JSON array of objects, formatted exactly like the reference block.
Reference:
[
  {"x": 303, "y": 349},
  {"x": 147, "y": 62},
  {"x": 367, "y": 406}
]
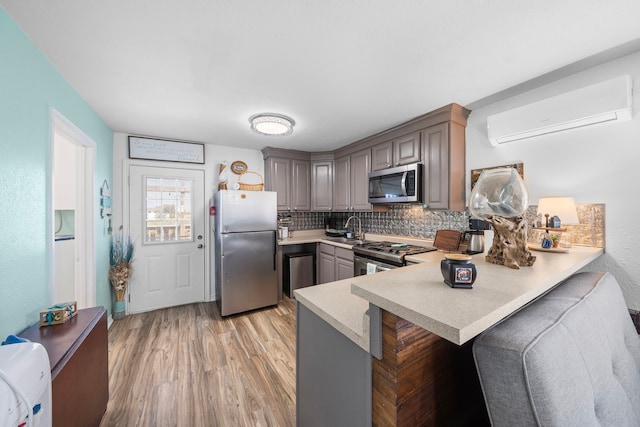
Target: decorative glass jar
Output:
[{"x": 500, "y": 192}]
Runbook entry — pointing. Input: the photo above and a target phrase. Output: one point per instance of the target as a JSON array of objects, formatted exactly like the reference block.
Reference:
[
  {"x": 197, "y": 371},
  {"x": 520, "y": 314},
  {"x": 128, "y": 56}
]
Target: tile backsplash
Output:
[{"x": 414, "y": 221}]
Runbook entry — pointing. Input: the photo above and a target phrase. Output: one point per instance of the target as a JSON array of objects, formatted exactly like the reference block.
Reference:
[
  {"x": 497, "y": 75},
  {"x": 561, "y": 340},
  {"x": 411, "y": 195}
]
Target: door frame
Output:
[
  {"x": 85, "y": 230},
  {"x": 127, "y": 164}
]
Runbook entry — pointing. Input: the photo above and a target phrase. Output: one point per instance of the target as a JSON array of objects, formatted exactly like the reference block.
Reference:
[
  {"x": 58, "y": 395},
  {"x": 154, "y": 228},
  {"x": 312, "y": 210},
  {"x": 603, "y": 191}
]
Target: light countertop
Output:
[
  {"x": 318, "y": 236},
  {"x": 418, "y": 294}
]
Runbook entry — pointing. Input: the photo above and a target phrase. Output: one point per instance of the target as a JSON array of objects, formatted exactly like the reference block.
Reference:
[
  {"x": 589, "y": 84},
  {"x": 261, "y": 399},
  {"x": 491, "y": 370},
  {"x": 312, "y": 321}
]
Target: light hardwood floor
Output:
[{"x": 187, "y": 366}]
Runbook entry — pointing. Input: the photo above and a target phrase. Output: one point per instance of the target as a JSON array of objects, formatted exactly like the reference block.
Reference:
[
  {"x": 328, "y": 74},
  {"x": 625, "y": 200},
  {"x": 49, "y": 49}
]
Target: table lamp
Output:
[{"x": 562, "y": 207}]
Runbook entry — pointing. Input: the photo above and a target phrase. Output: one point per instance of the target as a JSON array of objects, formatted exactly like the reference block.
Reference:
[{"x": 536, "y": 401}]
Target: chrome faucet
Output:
[{"x": 359, "y": 235}]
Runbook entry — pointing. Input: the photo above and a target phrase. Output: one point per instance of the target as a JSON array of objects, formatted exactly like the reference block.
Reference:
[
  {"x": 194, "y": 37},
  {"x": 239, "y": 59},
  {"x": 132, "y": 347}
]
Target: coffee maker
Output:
[{"x": 474, "y": 237}]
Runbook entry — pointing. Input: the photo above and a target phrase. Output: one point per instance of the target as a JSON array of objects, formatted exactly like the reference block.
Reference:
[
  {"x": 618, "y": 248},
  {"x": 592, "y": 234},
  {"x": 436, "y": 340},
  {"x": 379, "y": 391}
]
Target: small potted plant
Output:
[
  {"x": 120, "y": 260},
  {"x": 555, "y": 239}
]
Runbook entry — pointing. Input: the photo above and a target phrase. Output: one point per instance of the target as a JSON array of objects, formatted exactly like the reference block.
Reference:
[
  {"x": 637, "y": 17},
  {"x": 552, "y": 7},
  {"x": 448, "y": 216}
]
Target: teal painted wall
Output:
[{"x": 29, "y": 87}]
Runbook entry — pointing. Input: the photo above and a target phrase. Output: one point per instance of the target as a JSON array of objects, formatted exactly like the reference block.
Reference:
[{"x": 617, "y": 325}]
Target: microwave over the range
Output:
[{"x": 402, "y": 184}]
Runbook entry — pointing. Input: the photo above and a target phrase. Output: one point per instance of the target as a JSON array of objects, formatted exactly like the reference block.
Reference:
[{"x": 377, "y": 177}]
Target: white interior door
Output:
[{"x": 167, "y": 223}]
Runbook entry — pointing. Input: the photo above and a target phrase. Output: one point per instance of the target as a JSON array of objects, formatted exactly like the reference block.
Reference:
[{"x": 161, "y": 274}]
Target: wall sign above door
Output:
[{"x": 164, "y": 150}]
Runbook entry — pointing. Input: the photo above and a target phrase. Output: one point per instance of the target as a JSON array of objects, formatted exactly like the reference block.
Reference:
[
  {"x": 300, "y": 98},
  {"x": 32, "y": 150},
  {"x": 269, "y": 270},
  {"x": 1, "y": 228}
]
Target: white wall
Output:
[
  {"x": 595, "y": 164},
  {"x": 214, "y": 155}
]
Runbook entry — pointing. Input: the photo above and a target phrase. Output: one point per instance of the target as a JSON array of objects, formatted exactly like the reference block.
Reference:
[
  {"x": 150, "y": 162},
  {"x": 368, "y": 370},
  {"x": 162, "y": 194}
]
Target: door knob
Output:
[{"x": 200, "y": 246}]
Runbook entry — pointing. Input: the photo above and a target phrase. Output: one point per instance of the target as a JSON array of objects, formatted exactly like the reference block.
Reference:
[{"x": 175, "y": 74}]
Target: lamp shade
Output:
[{"x": 562, "y": 207}]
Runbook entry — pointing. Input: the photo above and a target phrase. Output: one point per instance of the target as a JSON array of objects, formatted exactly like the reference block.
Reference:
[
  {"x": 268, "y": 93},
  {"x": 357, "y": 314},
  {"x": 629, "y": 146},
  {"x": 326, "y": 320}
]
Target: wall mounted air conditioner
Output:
[{"x": 601, "y": 102}]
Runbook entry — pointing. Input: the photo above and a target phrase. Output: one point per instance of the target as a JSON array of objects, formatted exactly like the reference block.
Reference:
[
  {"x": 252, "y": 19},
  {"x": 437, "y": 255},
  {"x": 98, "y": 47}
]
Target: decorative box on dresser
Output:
[{"x": 78, "y": 354}]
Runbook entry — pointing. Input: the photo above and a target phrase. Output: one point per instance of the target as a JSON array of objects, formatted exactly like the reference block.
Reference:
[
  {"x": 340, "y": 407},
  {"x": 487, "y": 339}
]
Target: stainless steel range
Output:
[{"x": 372, "y": 257}]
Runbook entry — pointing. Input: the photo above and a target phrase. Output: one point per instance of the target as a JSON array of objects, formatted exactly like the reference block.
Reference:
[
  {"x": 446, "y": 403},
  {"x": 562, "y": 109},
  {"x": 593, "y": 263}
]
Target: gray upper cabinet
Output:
[
  {"x": 360, "y": 168},
  {"x": 301, "y": 185},
  {"x": 406, "y": 149},
  {"x": 443, "y": 149},
  {"x": 397, "y": 152},
  {"x": 321, "y": 185},
  {"x": 342, "y": 184},
  {"x": 291, "y": 179},
  {"x": 279, "y": 180},
  {"x": 351, "y": 183},
  {"x": 322, "y": 182},
  {"x": 382, "y": 156}
]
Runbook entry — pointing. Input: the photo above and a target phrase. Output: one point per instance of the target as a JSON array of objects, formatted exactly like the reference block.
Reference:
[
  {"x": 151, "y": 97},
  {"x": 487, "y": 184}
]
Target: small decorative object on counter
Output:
[
  {"x": 58, "y": 313},
  {"x": 458, "y": 271},
  {"x": 547, "y": 243}
]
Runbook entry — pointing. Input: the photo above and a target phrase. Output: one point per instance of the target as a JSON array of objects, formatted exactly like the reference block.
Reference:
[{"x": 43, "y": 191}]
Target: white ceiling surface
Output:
[{"x": 343, "y": 69}]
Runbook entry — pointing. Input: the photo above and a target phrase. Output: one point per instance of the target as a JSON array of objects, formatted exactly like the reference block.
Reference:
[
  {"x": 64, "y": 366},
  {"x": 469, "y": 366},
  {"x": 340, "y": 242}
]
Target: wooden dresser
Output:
[{"x": 78, "y": 353}]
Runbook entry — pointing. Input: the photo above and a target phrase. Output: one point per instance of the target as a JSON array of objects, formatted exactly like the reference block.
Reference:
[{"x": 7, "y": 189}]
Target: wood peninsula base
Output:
[{"x": 424, "y": 380}]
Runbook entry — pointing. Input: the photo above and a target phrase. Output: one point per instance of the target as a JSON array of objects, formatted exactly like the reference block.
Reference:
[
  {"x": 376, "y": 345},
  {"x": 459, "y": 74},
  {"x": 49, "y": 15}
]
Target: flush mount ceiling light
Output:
[{"x": 271, "y": 124}]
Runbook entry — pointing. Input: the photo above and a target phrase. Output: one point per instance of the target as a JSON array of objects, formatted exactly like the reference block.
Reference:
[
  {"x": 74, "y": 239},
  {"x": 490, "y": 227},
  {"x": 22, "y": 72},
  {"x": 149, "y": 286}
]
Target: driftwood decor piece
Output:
[
  {"x": 501, "y": 198},
  {"x": 509, "y": 247}
]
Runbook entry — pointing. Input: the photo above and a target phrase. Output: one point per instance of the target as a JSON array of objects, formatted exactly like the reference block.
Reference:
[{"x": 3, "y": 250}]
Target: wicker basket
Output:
[{"x": 251, "y": 187}]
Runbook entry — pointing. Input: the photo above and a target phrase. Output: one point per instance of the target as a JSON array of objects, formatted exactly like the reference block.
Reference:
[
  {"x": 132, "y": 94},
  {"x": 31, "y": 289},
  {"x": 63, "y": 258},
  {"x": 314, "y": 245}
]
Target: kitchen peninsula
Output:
[{"x": 394, "y": 348}]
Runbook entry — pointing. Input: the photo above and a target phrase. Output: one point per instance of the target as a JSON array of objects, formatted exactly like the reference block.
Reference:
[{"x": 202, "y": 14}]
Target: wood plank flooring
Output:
[{"x": 188, "y": 366}]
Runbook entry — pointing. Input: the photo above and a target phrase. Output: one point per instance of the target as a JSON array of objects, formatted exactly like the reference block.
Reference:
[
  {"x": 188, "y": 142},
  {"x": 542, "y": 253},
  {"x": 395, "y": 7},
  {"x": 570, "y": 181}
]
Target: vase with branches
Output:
[{"x": 121, "y": 259}]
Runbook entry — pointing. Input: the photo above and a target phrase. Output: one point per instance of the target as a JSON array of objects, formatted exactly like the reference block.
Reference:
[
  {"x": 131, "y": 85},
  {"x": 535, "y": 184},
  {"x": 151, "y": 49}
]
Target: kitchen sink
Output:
[{"x": 344, "y": 240}]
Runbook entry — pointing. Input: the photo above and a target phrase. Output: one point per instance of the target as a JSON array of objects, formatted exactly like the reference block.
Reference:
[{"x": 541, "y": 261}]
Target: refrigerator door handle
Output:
[{"x": 275, "y": 251}]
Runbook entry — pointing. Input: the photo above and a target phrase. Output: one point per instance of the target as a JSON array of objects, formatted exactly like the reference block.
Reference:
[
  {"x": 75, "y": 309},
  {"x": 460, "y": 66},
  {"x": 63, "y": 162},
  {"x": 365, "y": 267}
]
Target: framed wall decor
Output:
[
  {"x": 475, "y": 173},
  {"x": 165, "y": 150},
  {"x": 238, "y": 167}
]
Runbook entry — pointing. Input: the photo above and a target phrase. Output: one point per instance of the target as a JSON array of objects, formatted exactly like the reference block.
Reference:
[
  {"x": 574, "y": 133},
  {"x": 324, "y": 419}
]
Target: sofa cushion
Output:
[{"x": 571, "y": 358}]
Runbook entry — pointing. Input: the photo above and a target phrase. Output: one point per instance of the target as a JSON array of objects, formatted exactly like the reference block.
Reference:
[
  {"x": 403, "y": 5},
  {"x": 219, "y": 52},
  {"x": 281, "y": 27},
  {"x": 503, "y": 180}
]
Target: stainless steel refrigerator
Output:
[{"x": 245, "y": 250}]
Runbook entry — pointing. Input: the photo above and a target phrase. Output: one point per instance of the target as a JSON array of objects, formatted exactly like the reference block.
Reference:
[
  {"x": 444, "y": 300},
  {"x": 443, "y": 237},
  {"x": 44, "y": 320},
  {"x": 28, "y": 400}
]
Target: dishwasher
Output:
[{"x": 299, "y": 272}]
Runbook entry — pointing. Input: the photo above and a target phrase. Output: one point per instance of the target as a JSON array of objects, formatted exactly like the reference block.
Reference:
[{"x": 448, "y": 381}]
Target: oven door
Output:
[{"x": 362, "y": 266}]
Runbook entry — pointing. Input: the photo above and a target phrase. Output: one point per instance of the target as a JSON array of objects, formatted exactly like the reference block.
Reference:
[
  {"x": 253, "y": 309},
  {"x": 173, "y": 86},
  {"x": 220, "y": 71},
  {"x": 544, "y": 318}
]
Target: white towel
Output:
[{"x": 371, "y": 268}]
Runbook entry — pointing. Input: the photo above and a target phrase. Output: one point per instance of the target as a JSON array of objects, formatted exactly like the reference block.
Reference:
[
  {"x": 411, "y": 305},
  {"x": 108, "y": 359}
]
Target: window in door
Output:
[{"x": 168, "y": 210}]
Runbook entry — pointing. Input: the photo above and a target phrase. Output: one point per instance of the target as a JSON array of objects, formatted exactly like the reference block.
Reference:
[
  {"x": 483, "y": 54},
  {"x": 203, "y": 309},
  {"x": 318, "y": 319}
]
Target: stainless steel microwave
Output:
[{"x": 402, "y": 184}]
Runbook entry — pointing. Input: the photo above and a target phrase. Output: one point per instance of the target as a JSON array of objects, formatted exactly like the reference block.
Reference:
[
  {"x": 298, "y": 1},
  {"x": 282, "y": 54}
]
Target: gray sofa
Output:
[{"x": 571, "y": 358}]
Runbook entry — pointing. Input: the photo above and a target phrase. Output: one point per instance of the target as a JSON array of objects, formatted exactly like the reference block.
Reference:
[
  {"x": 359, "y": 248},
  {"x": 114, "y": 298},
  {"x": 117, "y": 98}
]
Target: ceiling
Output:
[{"x": 196, "y": 70}]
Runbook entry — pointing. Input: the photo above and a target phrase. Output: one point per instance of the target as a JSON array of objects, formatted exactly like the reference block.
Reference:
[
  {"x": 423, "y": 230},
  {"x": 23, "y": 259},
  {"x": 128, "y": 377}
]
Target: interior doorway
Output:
[{"x": 72, "y": 254}]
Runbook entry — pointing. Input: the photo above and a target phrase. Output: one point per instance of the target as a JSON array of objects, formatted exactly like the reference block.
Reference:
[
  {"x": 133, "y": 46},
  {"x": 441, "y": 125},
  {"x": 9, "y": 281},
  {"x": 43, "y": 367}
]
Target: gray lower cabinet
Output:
[
  {"x": 333, "y": 375},
  {"x": 326, "y": 263},
  {"x": 344, "y": 264},
  {"x": 334, "y": 263}
]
